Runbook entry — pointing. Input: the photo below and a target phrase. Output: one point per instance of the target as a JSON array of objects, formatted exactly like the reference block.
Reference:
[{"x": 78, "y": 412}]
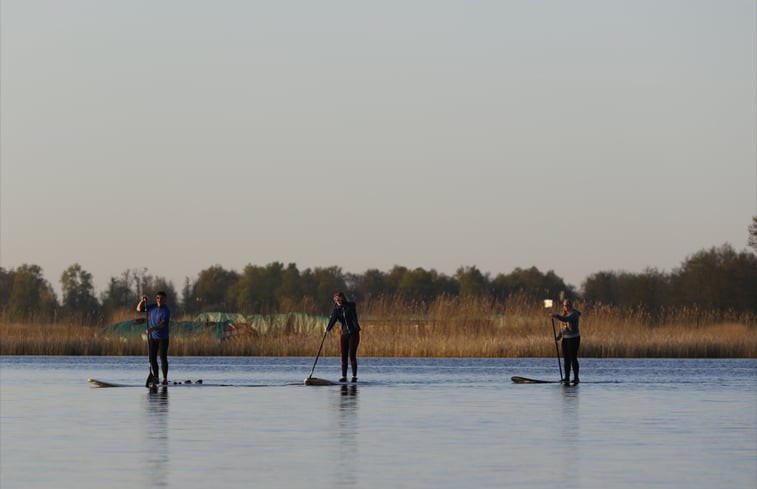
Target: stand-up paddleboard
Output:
[
  {"x": 524, "y": 380},
  {"x": 102, "y": 383},
  {"x": 317, "y": 381}
]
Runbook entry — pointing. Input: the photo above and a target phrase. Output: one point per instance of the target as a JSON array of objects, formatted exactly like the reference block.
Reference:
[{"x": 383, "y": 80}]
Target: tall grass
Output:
[{"x": 445, "y": 327}]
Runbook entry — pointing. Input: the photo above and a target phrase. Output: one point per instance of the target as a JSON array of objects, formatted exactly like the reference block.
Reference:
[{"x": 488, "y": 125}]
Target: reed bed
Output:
[{"x": 445, "y": 327}]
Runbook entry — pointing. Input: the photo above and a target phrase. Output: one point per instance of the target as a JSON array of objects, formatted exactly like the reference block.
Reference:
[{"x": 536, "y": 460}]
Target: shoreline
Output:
[{"x": 729, "y": 340}]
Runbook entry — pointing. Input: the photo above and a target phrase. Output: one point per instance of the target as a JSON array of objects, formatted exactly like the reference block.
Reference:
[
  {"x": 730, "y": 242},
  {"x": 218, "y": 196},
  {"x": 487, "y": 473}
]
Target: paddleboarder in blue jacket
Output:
[
  {"x": 345, "y": 313},
  {"x": 571, "y": 338},
  {"x": 158, "y": 332}
]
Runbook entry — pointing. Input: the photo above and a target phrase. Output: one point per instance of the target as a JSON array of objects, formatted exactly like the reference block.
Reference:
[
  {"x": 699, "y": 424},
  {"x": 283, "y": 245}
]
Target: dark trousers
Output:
[
  {"x": 348, "y": 344},
  {"x": 155, "y": 348},
  {"x": 570, "y": 355}
]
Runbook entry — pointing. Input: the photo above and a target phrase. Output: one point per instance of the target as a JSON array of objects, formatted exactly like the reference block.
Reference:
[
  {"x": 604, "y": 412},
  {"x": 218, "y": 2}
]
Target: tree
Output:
[
  {"x": 187, "y": 297},
  {"x": 255, "y": 291},
  {"x": 289, "y": 289},
  {"x": 369, "y": 284},
  {"x": 124, "y": 292},
  {"x": 648, "y": 289},
  {"x": 118, "y": 295},
  {"x": 320, "y": 284},
  {"x": 472, "y": 282},
  {"x": 418, "y": 284},
  {"x": 532, "y": 283},
  {"x": 6, "y": 286},
  {"x": 32, "y": 297},
  {"x": 393, "y": 278},
  {"x": 602, "y": 288},
  {"x": 78, "y": 294},
  {"x": 753, "y": 233},
  {"x": 718, "y": 278},
  {"x": 211, "y": 288}
]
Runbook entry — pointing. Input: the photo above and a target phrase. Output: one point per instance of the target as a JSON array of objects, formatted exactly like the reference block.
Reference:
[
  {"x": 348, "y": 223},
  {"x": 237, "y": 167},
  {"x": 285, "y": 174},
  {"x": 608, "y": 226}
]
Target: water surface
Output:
[{"x": 416, "y": 423}]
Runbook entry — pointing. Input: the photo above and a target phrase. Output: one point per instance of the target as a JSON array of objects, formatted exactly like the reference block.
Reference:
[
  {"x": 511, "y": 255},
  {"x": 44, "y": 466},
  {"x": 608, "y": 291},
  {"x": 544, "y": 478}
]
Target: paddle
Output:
[
  {"x": 548, "y": 304},
  {"x": 525, "y": 380},
  {"x": 317, "y": 355}
]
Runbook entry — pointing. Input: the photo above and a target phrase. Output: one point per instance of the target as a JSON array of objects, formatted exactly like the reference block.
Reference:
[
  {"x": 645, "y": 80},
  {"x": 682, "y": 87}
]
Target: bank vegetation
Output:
[{"x": 443, "y": 327}]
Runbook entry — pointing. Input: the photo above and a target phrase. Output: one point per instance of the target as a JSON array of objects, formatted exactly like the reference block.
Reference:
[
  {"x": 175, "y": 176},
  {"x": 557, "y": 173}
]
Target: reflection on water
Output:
[
  {"x": 570, "y": 431},
  {"x": 349, "y": 391},
  {"x": 155, "y": 448},
  {"x": 347, "y": 423}
]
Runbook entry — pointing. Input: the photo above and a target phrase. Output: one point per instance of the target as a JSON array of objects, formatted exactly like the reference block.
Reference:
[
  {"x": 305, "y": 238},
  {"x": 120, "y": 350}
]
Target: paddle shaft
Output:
[
  {"x": 318, "y": 354},
  {"x": 557, "y": 350}
]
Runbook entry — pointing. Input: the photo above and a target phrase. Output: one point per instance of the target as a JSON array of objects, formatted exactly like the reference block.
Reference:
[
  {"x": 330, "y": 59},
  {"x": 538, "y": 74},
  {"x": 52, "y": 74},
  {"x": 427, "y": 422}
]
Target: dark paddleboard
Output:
[
  {"x": 524, "y": 380},
  {"x": 317, "y": 381},
  {"x": 102, "y": 383}
]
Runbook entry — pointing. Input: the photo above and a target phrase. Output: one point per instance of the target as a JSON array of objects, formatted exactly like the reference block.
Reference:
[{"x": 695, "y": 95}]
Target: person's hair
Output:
[
  {"x": 567, "y": 302},
  {"x": 161, "y": 293},
  {"x": 341, "y": 295}
]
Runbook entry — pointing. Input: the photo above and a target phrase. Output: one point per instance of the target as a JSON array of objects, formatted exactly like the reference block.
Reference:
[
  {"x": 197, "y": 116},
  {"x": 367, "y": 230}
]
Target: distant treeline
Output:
[{"x": 718, "y": 279}]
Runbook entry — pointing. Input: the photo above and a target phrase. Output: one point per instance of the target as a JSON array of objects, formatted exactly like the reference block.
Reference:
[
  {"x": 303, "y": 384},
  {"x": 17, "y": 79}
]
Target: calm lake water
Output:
[{"x": 416, "y": 423}]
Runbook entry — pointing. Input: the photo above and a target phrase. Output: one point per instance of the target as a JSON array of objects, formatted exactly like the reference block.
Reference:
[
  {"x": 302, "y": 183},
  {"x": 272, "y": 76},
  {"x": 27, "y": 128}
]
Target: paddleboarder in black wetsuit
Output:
[
  {"x": 345, "y": 313},
  {"x": 571, "y": 339}
]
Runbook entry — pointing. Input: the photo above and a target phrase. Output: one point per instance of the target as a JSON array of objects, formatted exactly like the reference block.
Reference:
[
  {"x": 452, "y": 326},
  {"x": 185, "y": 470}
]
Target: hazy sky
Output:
[{"x": 574, "y": 136}]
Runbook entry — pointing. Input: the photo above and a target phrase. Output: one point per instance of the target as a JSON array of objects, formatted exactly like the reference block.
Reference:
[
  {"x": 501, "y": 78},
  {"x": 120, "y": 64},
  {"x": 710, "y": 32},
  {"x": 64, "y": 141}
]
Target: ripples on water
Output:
[{"x": 449, "y": 423}]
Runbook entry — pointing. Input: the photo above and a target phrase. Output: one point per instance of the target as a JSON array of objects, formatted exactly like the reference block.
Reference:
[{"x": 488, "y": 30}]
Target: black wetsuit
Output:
[
  {"x": 346, "y": 316},
  {"x": 571, "y": 341}
]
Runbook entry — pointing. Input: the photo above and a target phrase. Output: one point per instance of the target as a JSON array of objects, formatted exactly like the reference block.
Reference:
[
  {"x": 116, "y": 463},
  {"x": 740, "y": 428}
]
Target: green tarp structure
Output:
[
  {"x": 291, "y": 323},
  {"x": 218, "y": 317},
  {"x": 224, "y": 325}
]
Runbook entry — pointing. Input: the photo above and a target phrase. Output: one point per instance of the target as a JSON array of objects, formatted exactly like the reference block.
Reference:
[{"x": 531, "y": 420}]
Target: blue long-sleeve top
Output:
[{"x": 160, "y": 319}]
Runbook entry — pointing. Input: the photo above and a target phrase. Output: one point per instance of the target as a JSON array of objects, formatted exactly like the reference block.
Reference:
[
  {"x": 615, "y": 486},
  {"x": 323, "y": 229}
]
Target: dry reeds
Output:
[{"x": 445, "y": 327}]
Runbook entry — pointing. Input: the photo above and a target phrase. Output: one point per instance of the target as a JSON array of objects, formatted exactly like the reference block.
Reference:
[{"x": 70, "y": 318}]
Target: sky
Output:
[{"x": 577, "y": 137}]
